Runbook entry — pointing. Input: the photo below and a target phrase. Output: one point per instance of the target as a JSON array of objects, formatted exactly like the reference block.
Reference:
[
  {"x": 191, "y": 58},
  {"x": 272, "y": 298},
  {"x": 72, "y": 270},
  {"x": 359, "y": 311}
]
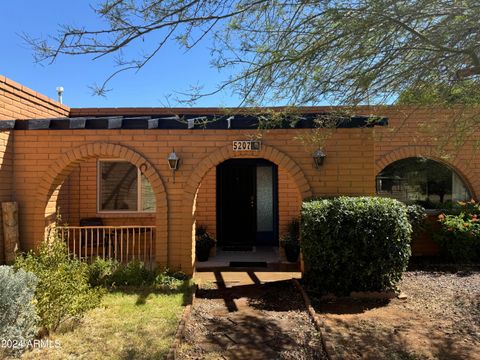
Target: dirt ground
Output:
[
  {"x": 262, "y": 321},
  {"x": 439, "y": 319}
]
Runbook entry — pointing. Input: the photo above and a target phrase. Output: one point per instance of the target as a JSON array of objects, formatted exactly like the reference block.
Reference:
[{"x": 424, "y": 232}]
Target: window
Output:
[
  {"x": 421, "y": 181},
  {"x": 122, "y": 187}
]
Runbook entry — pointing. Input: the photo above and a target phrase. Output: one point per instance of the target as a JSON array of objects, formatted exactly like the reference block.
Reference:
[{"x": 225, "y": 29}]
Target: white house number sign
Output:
[{"x": 246, "y": 145}]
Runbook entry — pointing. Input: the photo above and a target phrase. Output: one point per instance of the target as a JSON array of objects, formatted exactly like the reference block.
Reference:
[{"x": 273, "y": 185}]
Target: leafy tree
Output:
[
  {"x": 300, "y": 51},
  {"x": 461, "y": 93}
]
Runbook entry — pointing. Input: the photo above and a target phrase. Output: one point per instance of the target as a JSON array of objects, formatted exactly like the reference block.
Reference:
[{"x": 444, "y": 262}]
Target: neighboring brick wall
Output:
[{"x": 19, "y": 102}]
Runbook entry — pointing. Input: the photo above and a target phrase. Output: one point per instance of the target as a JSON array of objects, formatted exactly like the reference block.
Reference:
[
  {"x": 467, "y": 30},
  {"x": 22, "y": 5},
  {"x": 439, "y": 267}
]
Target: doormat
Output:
[
  {"x": 248, "y": 264},
  {"x": 237, "y": 248}
]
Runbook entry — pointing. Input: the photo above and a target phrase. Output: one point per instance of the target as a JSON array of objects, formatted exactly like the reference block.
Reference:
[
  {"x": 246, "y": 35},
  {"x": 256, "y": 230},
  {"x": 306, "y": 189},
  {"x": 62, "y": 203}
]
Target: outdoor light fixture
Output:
[
  {"x": 173, "y": 161},
  {"x": 318, "y": 157}
]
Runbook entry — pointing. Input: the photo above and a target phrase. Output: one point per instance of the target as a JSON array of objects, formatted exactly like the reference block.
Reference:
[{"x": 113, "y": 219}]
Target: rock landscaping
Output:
[{"x": 438, "y": 317}]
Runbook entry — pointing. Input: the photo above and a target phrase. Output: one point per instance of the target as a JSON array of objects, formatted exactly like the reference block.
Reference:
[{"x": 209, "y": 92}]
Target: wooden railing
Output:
[{"x": 122, "y": 243}]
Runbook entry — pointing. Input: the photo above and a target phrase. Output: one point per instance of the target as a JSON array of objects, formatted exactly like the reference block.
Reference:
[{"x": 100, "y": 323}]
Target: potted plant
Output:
[
  {"x": 203, "y": 243},
  {"x": 291, "y": 241}
]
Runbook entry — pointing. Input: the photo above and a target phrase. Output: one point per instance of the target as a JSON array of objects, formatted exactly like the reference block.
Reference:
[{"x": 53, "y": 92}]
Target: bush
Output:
[
  {"x": 355, "y": 244},
  {"x": 459, "y": 237},
  {"x": 63, "y": 291},
  {"x": 101, "y": 270},
  {"x": 167, "y": 279},
  {"x": 133, "y": 273},
  {"x": 112, "y": 273},
  {"x": 18, "y": 319},
  {"x": 417, "y": 217}
]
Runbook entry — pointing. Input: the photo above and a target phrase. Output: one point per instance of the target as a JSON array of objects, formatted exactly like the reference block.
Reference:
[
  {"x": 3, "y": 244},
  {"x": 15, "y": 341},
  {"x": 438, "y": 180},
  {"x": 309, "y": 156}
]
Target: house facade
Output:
[{"x": 108, "y": 172}]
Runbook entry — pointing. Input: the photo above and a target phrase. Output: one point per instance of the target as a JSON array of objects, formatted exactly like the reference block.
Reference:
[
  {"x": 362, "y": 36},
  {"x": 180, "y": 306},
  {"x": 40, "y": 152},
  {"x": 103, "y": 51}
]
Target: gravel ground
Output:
[
  {"x": 251, "y": 322},
  {"x": 452, "y": 297},
  {"x": 439, "y": 319}
]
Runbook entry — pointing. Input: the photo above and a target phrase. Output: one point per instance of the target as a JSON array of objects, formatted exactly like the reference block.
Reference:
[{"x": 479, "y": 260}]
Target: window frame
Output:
[{"x": 139, "y": 191}]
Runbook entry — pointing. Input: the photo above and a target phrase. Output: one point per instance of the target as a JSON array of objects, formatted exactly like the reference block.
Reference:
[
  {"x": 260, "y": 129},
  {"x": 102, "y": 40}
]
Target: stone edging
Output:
[
  {"x": 172, "y": 353},
  {"x": 313, "y": 315}
]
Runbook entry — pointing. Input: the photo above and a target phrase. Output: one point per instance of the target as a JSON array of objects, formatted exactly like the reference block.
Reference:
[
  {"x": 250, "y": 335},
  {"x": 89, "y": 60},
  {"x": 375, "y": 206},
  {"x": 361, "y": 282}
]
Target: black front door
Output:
[{"x": 246, "y": 204}]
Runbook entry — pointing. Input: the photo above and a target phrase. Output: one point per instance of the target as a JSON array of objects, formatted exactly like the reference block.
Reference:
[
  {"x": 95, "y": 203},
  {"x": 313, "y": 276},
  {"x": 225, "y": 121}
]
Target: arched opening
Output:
[
  {"x": 112, "y": 204},
  {"x": 419, "y": 180},
  {"x": 202, "y": 203}
]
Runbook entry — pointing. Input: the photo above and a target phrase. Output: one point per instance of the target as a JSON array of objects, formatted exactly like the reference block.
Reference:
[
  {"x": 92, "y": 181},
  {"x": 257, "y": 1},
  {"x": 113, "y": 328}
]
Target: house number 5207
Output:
[{"x": 246, "y": 145}]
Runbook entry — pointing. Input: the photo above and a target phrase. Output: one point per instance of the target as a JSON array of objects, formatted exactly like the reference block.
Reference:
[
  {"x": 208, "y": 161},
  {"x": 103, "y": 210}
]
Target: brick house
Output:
[{"x": 106, "y": 171}]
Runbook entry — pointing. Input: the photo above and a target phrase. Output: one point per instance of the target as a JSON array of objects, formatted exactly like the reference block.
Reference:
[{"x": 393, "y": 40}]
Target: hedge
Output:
[{"x": 355, "y": 243}]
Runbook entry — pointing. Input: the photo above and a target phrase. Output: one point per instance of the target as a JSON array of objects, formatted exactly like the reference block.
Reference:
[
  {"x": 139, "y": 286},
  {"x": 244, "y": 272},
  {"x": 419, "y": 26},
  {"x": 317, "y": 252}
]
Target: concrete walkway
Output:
[
  {"x": 242, "y": 277},
  {"x": 249, "y": 315}
]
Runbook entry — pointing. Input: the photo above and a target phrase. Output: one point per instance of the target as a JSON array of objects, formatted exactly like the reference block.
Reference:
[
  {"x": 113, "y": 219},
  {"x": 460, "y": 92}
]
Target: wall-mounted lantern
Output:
[
  {"x": 319, "y": 157},
  {"x": 173, "y": 162}
]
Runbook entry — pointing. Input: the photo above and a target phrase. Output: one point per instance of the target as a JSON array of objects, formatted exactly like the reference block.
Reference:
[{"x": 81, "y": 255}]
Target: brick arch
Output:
[
  {"x": 429, "y": 152},
  {"x": 62, "y": 167},
  {"x": 217, "y": 157}
]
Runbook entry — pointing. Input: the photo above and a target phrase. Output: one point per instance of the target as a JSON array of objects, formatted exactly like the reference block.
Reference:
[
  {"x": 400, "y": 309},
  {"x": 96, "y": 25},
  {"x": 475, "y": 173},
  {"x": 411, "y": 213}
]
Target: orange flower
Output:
[
  {"x": 441, "y": 217},
  {"x": 465, "y": 224}
]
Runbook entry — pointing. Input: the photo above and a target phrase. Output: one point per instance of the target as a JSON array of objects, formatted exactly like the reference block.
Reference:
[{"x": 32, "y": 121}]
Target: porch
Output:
[
  {"x": 105, "y": 208},
  {"x": 261, "y": 258}
]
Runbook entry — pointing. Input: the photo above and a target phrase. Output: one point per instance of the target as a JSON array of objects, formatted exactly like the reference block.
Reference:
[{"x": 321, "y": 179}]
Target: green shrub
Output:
[
  {"x": 18, "y": 319},
  {"x": 459, "y": 236},
  {"x": 167, "y": 279},
  {"x": 417, "y": 217},
  {"x": 63, "y": 291},
  {"x": 355, "y": 244},
  {"x": 135, "y": 274}
]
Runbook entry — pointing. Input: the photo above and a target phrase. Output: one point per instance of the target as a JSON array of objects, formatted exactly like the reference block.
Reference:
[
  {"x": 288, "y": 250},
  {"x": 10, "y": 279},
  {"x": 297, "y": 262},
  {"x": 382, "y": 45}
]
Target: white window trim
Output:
[{"x": 139, "y": 191}]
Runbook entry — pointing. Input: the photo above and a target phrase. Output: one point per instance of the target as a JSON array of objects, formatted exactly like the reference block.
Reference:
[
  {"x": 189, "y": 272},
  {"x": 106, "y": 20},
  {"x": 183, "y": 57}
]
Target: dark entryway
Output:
[{"x": 247, "y": 204}]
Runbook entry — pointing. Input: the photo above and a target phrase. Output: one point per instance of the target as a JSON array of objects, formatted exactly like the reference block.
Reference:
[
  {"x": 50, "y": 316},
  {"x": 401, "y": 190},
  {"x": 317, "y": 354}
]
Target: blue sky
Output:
[{"x": 171, "y": 71}]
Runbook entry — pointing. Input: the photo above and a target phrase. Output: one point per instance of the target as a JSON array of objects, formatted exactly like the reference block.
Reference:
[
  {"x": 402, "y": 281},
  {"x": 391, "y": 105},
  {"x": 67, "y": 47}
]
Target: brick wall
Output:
[
  {"x": 19, "y": 102},
  {"x": 38, "y": 167},
  {"x": 354, "y": 157},
  {"x": 447, "y": 136},
  {"x": 206, "y": 209},
  {"x": 289, "y": 200}
]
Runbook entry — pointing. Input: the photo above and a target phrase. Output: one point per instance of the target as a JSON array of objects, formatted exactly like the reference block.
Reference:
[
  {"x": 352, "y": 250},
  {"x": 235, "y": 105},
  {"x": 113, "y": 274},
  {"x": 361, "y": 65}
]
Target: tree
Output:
[
  {"x": 297, "y": 51},
  {"x": 460, "y": 93}
]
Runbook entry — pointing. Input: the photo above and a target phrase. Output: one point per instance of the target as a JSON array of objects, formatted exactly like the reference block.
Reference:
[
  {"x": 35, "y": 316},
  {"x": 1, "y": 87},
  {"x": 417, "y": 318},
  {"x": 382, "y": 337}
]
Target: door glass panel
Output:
[{"x": 264, "y": 198}]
